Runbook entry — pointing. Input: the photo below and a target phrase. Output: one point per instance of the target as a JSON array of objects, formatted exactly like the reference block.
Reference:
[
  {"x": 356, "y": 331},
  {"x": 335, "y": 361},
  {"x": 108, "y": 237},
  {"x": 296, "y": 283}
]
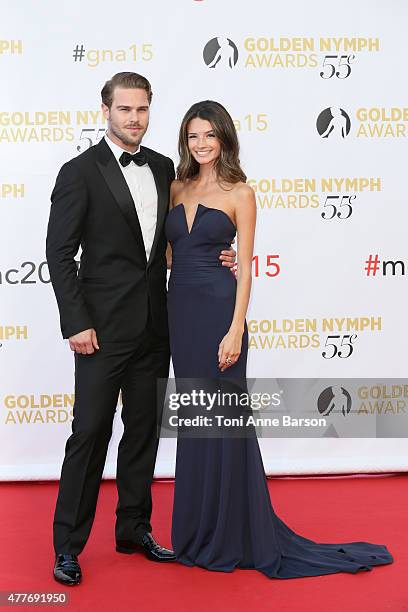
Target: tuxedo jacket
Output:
[{"x": 115, "y": 285}]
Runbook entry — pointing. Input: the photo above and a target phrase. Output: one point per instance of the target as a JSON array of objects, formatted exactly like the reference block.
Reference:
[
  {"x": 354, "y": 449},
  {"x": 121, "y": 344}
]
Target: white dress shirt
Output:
[{"x": 142, "y": 186}]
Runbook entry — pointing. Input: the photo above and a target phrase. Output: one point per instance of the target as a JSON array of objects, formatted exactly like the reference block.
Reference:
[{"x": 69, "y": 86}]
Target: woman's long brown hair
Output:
[{"x": 227, "y": 166}]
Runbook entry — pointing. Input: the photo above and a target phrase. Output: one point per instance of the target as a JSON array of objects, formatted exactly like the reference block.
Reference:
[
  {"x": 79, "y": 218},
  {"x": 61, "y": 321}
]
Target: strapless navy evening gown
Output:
[{"x": 222, "y": 516}]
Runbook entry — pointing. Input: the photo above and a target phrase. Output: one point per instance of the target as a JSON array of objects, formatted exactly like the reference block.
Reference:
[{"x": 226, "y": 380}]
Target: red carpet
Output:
[{"x": 327, "y": 510}]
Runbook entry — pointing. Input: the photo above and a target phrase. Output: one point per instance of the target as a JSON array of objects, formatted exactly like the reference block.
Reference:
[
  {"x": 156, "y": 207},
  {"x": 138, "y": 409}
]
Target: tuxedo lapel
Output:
[
  {"x": 116, "y": 182},
  {"x": 162, "y": 187}
]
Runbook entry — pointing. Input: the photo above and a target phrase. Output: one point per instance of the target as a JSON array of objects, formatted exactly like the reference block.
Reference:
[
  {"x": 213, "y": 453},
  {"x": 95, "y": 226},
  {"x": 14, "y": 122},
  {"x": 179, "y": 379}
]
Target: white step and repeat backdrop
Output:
[{"x": 319, "y": 97}]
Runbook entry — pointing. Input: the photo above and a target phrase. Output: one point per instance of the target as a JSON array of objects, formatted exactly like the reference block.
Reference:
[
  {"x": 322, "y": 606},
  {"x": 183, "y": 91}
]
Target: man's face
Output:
[{"x": 128, "y": 117}]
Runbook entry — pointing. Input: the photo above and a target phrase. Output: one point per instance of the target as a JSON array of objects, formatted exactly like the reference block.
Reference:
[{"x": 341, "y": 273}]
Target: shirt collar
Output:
[{"x": 116, "y": 150}]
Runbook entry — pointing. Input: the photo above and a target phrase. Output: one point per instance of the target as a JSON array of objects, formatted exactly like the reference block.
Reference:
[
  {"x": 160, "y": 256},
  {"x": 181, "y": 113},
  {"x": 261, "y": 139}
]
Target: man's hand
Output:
[
  {"x": 85, "y": 342},
  {"x": 228, "y": 257}
]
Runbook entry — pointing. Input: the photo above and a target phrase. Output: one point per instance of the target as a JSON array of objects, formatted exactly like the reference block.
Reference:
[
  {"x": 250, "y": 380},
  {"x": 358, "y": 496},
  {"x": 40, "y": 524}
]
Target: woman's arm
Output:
[{"x": 245, "y": 215}]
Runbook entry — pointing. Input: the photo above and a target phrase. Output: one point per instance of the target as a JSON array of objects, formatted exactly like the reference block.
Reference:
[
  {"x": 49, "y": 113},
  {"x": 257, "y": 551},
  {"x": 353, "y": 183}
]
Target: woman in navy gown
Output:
[{"x": 222, "y": 516}]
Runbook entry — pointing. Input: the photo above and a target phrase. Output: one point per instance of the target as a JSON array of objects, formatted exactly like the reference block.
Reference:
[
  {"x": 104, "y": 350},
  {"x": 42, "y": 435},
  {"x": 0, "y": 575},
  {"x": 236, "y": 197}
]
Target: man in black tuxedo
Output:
[{"x": 112, "y": 201}]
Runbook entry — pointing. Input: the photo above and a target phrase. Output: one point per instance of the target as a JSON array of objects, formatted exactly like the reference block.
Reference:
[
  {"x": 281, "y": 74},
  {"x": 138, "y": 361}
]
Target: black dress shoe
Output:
[
  {"x": 151, "y": 549},
  {"x": 67, "y": 570}
]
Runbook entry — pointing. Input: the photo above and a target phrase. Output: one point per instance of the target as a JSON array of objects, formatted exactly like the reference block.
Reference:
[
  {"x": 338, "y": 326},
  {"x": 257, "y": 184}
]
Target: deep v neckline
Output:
[{"x": 189, "y": 230}]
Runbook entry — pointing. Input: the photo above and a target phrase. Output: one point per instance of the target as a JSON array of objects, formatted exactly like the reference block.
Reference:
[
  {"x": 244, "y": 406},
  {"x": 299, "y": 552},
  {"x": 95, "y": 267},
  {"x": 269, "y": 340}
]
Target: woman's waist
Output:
[
  {"x": 198, "y": 273},
  {"x": 187, "y": 262}
]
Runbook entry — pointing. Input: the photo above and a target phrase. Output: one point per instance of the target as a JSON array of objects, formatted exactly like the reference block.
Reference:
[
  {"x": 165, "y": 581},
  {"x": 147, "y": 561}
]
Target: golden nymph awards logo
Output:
[
  {"x": 335, "y": 336},
  {"x": 382, "y": 399},
  {"x": 38, "y": 409},
  {"x": 52, "y": 126},
  {"x": 337, "y": 197},
  {"x": 335, "y": 123},
  {"x": 334, "y": 57},
  {"x": 381, "y": 122}
]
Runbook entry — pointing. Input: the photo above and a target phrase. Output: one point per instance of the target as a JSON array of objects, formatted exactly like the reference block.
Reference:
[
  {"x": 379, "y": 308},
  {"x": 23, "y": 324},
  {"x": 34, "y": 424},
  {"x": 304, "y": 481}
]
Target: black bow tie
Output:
[{"x": 139, "y": 158}]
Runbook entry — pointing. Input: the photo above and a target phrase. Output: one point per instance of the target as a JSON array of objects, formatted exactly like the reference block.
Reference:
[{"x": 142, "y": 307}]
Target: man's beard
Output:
[{"x": 123, "y": 138}]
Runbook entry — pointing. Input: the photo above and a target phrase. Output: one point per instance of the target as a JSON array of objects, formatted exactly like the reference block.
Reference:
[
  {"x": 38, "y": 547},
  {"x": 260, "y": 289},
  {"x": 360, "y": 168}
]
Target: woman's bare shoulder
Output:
[
  {"x": 242, "y": 192},
  {"x": 176, "y": 189},
  {"x": 243, "y": 188}
]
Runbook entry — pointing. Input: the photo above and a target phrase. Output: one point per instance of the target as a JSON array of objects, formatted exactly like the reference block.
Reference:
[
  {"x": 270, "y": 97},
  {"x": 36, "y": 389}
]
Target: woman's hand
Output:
[
  {"x": 230, "y": 349},
  {"x": 169, "y": 256}
]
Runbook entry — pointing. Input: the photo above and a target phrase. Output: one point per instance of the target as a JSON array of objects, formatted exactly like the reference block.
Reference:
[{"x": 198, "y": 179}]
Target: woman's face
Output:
[{"x": 203, "y": 144}]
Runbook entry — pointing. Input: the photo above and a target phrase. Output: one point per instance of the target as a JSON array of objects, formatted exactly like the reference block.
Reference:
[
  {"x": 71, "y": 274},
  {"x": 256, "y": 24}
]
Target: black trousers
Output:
[{"x": 134, "y": 368}]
